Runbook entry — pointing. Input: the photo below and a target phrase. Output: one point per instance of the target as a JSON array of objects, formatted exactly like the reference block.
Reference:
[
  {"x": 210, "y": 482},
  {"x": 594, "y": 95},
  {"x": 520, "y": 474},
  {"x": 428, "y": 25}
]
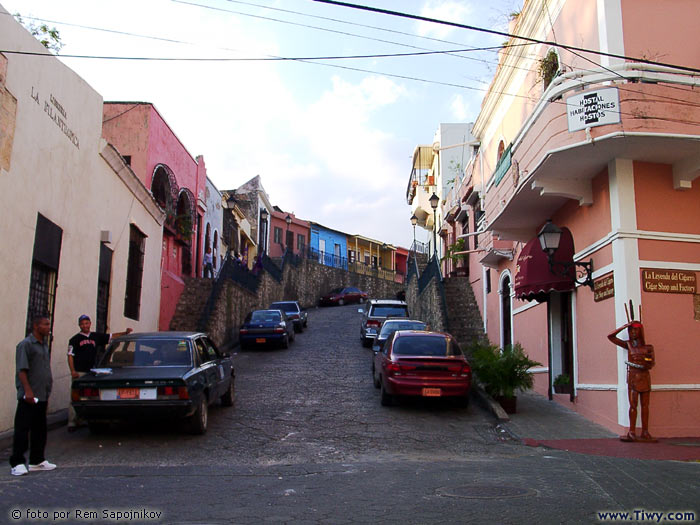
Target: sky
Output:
[{"x": 331, "y": 144}]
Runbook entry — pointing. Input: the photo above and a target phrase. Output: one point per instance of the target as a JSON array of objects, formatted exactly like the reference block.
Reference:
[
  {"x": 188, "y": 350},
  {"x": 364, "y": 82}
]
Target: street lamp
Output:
[
  {"x": 549, "y": 237},
  {"x": 414, "y": 221},
  {"x": 434, "y": 201},
  {"x": 263, "y": 223},
  {"x": 288, "y": 220}
]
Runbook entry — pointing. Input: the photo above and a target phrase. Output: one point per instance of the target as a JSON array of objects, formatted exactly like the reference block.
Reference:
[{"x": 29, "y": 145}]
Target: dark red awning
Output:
[{"x": 534, "y": 280}]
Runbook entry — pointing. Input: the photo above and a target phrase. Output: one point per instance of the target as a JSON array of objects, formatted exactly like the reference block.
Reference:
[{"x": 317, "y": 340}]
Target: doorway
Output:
[
  {"x": 561, "y": 344},
  {"x": 506, "y": 311}
]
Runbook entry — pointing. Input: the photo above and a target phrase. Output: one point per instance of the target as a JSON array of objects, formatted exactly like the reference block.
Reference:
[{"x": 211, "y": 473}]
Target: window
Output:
[
  {"x": 103, "y": 279},
  {"x": 44, "y": 271},
  {"x": 301, "y": 241},
  {"x": 278, "y": 235},
  {"x": 351, "y": 256},
  {"x": 374, "y": 261},
  {"x": 487, "y": 278},
  {"x": 134, "y": 273}
]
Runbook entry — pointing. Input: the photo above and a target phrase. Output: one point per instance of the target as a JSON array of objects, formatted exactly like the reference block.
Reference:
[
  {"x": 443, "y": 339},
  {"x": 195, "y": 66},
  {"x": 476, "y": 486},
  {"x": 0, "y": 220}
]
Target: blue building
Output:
[{"x": 330, "y": 246}]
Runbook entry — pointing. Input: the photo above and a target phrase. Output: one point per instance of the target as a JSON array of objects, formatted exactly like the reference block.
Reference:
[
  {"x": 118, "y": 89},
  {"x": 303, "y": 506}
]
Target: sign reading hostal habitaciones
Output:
[
  {"x": 668, "y": 281},
  {"x": 593, "y": 108}
]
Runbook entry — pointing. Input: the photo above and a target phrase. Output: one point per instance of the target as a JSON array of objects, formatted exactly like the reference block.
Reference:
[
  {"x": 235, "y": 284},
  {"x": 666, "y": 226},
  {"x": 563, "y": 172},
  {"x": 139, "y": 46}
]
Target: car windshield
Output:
[
  {"x": 264, "y": 316},
  {"x": 391, "y": 327},
  {"x": 335, "y": 291},
  {"x": 147, "y": 352},
  {"x": 389, "y": 310},
  {"x": 287, "y": 307},
  {"x": 426, "y": 346}
]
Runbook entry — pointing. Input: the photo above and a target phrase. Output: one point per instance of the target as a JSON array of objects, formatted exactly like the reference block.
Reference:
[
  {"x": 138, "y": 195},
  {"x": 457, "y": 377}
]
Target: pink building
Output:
[
  {"x": 287, "y": 233},
  {"x": 177, "y": 181},
  {"x": 610, "y": 152}
]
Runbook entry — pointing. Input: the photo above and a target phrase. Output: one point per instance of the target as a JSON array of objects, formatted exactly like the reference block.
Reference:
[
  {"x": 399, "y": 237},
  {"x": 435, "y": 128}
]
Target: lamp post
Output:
[
  {"x": 549, "y": 237},
  {"x": 263, "y": 224},
  {"x": 434, "y": 201},
  {"x": 288, "y": 220},
  {"x": 414, "y": 221}
]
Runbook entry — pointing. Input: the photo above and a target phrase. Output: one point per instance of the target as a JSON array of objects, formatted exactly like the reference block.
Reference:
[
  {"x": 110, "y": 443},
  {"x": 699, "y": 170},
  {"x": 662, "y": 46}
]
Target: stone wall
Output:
[
  {"x": 304, "y": 281},
  {"x": 425, "y": 297}
]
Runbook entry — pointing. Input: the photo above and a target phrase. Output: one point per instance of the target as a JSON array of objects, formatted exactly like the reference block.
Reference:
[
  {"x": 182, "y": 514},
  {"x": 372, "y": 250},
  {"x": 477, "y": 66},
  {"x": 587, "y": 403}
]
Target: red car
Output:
[
  {"x": 341, "y": 296},
  {"x": 421, "y": 364}
]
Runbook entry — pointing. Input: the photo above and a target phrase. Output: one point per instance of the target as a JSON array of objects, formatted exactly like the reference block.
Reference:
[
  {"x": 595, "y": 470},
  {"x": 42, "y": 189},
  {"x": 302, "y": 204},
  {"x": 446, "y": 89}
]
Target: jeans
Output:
[
  {"x": 30, "y": 433},
  {"x": 208, "y": 269}
]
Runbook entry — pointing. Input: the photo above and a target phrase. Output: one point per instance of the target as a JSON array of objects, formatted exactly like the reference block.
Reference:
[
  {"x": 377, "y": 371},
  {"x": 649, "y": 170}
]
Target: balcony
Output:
[{"x": 552, "y": 161}]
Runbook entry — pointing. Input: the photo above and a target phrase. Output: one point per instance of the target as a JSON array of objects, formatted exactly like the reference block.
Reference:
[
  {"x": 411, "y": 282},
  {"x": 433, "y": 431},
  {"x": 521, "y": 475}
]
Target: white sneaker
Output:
[
  {"x": 44, "y": 465},
  {"x": 19, "y": 470}
]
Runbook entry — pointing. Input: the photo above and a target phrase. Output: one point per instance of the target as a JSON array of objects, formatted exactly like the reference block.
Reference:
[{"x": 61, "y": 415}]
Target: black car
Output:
[
  {"x": 294, "y": 312},
  {"x": 266, "y": 326},
  {"x": 155, "y": 375}
]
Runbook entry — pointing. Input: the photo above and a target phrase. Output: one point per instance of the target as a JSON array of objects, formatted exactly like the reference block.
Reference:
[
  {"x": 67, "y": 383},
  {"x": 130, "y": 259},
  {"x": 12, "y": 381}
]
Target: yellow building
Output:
[{"x": 371, "y": 257}]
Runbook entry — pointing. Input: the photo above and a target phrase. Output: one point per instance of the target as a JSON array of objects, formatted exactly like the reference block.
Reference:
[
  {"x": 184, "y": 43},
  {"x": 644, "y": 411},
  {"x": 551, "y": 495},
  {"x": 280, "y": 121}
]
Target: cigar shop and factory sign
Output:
[
  {"x": 669, "y": 281},
  {"x": 604, "y": 288}
]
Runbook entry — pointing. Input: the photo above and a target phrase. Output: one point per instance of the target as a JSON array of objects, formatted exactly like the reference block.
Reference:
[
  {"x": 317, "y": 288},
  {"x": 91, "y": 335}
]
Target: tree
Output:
[{"x": 49, "y": 37}]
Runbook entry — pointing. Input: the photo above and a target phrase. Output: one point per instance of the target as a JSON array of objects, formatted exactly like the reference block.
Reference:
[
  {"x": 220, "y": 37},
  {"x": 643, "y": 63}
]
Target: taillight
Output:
[
  {"x": 243, "y": 331},
  {"x": 466, "y": 370},
  {"x": 173, "y": 392},
  {"x": 397, "y": 369},
  {"x": 373, "y": 323},
  {"x": 279, "y": 330},
  {"x": 85, "y": 394}
]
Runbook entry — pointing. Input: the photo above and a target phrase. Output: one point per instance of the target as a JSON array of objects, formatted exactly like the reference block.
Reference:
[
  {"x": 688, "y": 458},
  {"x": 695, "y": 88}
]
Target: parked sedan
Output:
[
  {"x": 341, "y": 296},
  {"x": 294, "y": 311},
  {"x": 421, "y": 364},
  {"x": 155, "y": 375},
  {"x": 392, "y": 325},
  {"x": 266, "y": 326}
]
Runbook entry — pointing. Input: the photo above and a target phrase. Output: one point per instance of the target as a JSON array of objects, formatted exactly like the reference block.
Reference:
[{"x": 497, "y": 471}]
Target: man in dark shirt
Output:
[
  {"x": 33, "y": 381},
  {"x": 82, "y": 352}
]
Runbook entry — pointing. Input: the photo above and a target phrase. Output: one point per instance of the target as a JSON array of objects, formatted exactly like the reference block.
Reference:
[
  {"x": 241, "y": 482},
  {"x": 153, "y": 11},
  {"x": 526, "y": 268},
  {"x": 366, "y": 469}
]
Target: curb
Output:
[
  {"x": 54, "y": 420},
  {"x": 490, "y": 404}
]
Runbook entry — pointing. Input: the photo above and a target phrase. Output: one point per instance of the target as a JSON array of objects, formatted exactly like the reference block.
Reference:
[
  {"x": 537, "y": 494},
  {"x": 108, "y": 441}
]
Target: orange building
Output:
[{"x": 607, "y": 147}]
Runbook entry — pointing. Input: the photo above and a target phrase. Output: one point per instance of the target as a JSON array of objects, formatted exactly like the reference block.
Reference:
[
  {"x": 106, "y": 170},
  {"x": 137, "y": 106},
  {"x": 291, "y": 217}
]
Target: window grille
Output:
[{"x": 42, "y": 293}]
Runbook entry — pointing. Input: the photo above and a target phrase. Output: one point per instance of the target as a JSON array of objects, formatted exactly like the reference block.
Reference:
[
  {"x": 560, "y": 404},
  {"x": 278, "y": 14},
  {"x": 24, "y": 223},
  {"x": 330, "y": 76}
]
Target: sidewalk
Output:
[{"x": 540, "y": 422}]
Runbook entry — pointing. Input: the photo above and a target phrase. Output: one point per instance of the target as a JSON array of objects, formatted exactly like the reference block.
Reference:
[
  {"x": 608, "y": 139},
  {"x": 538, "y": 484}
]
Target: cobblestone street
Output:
[{"x": 308, "y": 441}]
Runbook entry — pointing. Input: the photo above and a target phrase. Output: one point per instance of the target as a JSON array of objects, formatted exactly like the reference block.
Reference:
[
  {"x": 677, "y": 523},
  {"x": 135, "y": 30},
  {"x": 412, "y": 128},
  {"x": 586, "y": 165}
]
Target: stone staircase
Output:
[
  {"x": 463, "y": 314},
  {"x": 191, "y": 304}
]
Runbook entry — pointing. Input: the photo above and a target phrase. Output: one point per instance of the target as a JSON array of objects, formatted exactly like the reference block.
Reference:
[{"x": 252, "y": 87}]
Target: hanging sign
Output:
[
  {"x": 593, "y": 108},
  {"x": 669, "y": 281},
  {"x": 604, "y": 288}
]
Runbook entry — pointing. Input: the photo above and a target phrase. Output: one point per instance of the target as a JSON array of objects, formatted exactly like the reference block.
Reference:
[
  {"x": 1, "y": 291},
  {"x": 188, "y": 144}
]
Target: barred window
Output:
[
  {"x": 301, "y": 241},
  {"x": 134, "y": 273},
  {"x": 278, "y": 235}
]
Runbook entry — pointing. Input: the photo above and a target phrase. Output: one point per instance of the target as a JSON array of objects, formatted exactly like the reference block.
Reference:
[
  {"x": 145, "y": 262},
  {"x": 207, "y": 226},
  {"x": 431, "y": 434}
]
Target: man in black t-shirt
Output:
[{"x": 82, "y": 352}]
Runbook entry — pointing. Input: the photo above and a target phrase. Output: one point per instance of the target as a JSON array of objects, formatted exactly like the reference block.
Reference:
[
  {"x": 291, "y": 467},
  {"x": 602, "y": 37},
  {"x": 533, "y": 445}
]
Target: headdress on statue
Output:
[{"x": 638, "y": 325}]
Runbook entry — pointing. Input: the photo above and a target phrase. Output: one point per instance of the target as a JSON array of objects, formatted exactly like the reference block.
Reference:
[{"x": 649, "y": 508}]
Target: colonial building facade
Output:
[
  {"x": 81, "y": 234},
  {"x": 608, "y": 150}
]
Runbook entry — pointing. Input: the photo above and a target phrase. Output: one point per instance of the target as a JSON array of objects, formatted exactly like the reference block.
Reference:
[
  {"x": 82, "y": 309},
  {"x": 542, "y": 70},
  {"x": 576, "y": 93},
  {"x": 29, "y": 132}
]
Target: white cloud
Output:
[
  {"x": 461, "y": 110},
  {"x": 447, "y": 10}
]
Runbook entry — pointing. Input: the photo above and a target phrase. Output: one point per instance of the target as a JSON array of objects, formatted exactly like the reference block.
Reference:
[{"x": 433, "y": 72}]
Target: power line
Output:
[{"x": 503, "y": 33}]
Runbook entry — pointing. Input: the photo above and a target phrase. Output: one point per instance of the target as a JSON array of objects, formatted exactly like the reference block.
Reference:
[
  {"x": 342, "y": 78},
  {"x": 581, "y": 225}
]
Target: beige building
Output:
[{"x": 81, "y": 234}]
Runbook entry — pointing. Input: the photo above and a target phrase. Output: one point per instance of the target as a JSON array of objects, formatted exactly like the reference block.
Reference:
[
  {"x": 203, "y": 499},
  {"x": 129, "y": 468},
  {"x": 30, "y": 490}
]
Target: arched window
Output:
[
  {"x": 164, "y": 189},
  {"x": 207, "y": 237}
]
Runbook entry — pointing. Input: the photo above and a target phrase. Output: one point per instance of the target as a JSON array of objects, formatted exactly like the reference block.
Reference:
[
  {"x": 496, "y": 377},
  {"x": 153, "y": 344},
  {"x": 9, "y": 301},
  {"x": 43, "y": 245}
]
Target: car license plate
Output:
[
  {"x": 127, "y": 393},
  {"x": 432, "y": 392},
  {"x": 260, "y": 340}
]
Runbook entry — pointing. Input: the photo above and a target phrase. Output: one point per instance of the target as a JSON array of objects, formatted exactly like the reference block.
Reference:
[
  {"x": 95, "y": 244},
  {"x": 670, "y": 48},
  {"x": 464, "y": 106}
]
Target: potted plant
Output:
[
  {"x": 562, "y": 384},
  {"x": 452, "y": 253},
  {"x": 502, "y": 372}
]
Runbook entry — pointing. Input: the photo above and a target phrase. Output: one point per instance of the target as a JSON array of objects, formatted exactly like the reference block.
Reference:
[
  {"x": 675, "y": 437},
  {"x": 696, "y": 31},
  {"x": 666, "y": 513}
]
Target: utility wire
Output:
[{"x": 503, "y": 33}]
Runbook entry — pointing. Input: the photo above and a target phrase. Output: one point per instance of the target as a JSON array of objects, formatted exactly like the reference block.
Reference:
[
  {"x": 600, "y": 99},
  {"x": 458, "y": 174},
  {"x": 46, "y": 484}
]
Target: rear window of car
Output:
[
  {"x": 389, "y": 310},
  {"x": 426, "y": 346},
  {"x": 161, "y": 352},
  {"x": 287, "y": 307},
  {"x": 390, "y": 328},
  {"x": 262, "y": 316}
]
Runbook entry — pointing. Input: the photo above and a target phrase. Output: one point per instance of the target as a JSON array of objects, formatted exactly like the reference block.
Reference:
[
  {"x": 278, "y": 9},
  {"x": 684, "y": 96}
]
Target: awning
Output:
[{"x": 533, "y": 278}]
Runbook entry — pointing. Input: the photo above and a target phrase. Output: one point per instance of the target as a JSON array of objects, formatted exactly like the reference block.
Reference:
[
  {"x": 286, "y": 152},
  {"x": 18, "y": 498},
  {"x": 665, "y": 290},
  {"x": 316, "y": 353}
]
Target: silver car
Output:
[{"x": 374, "y": 313}]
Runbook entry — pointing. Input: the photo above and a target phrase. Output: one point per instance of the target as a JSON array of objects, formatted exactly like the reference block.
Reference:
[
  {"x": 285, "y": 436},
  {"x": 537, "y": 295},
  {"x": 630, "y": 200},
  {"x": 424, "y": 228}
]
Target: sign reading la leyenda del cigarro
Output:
[
  {"x": 593, "y": 108},
  {"x": 669, "y": 281}
]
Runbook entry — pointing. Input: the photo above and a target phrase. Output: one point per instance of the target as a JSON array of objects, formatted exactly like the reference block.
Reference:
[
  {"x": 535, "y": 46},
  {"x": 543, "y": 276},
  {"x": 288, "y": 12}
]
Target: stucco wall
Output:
[
  {"x": 59, "y": 169},
  {"x": 214, "y": 217}
]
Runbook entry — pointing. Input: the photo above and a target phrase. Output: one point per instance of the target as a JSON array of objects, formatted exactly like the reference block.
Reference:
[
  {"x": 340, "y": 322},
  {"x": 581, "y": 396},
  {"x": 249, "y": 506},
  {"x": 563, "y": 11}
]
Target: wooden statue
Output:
[{"x": 640, "y": 359}]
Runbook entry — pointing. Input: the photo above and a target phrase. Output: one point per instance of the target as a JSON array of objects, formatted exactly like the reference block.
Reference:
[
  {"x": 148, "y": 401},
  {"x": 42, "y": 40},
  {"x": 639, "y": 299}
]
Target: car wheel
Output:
[
  {"x": 387, "y": 399},
  {"x": 98, "y": 427},
  {"x": 294, "y": 336},
  {"x": 285, "y": 341},
  {"x": 341, "y": 302},
  {"x": 298, "y": 328},
  {"x": 228, "y": 398},
  {"x": 200, "y": 419},
  {"x": 375, "y": 379},
  {"x": 366, "y": 342}
]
